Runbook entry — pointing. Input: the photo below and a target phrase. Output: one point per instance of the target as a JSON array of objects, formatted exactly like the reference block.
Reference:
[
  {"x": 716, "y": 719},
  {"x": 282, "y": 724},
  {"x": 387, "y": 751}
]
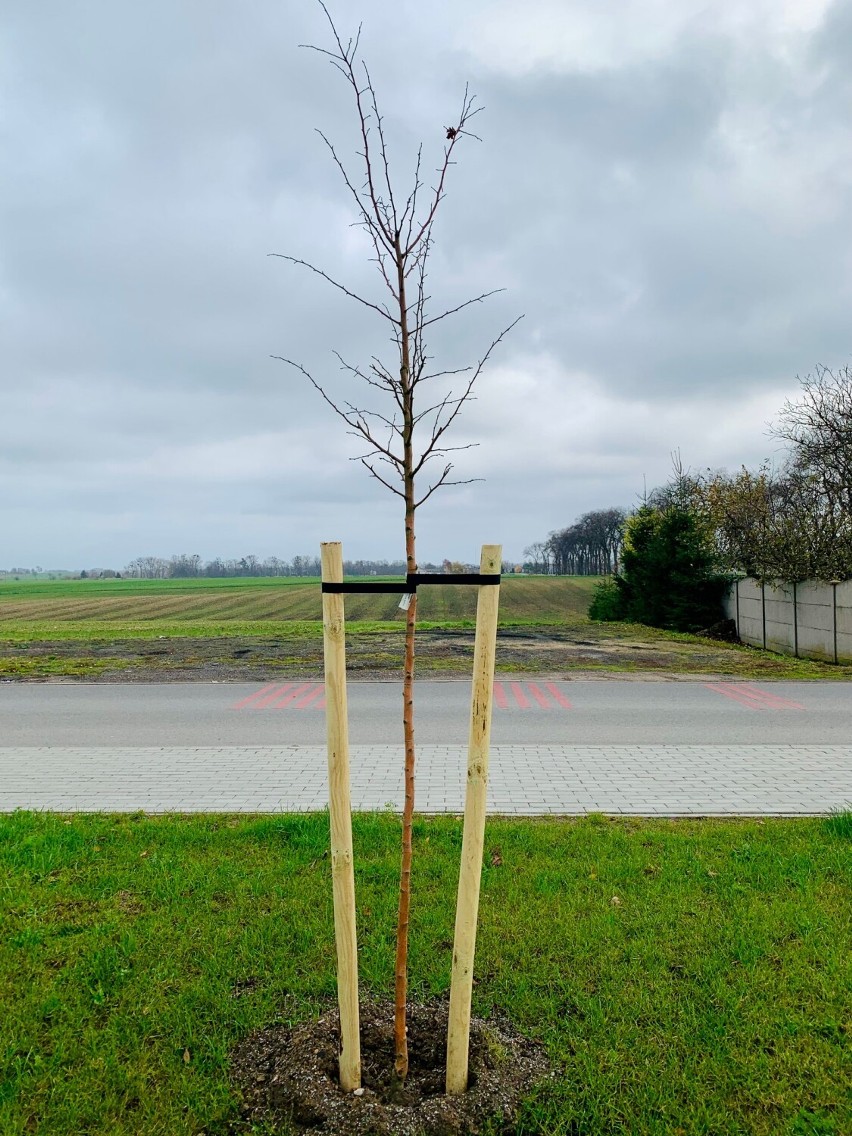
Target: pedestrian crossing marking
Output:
[
  {"x": 285, "y": 696},
  {"x": 518, "y": 696},
  {"x": 512, "y": 695},
  {"x": 753, "y": 697}
]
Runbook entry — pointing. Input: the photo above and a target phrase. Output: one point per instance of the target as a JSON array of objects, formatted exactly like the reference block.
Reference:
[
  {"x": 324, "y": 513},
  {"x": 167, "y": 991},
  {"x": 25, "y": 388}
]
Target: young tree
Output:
[
  {"x": 409, "y": 433},
  {"x": 668, "y": 571}
]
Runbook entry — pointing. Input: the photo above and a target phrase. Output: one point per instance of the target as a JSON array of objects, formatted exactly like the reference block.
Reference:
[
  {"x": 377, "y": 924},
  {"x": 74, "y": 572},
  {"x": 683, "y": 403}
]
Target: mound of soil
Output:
[
  {"x": 441, "y": 653},
  {"x": 725, "y": 631},
  {"x": 291, "y": 1074}
]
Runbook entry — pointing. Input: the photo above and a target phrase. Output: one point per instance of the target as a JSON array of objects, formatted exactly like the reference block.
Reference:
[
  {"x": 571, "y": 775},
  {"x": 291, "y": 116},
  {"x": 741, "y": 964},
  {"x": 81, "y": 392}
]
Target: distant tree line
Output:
[
  {"x": 187, "y": 566},
  {"x": 37, "y": 573},
  {"x": 590, "y": 547},
  {"x": 17, "y": 573}
]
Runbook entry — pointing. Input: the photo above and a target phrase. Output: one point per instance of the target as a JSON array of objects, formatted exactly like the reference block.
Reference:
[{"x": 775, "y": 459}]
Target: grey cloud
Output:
[
  {"x": 160, "y": 152},
  {"x": 641, "y": 259}
]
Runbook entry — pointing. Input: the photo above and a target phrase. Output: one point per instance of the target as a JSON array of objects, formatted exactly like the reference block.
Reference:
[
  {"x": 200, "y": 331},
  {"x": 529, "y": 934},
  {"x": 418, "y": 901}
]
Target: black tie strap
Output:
[{"x": 413, "y": 579}]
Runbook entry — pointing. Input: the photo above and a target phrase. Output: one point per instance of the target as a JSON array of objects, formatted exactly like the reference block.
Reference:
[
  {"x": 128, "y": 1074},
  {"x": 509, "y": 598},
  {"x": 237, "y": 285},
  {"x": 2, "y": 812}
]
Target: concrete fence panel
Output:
[
  {"x": 811, "y": 619},
  {"x": 747, "y": 611},
  {"x": 843, "y": 600},
  {"x": 815, "y": 615},
  {"x": 780, "y": 622}
]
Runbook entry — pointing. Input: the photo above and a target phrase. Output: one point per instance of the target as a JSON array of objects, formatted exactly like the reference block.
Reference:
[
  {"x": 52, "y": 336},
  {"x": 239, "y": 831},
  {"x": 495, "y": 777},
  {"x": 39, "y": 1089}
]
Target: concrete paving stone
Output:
[{"x": 531, "y": 780}]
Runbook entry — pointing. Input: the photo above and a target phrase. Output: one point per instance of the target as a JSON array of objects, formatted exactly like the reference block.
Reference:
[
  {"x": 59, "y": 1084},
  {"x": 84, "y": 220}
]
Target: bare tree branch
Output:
[
  {"x": 445, "y": 374},
  {"x": 372, "y": 223},
  {"x": 440, "y": 430},
  {"x": 382, "y": 147},
  {"x": 442, "y": 480},
  {"x": 341, "y": 287},
  {"x": 410, "y": 210},
  {"x": 461, "y": 307},
  {"x": 378, "y": 477},
  {"x": 453, "y": 135},
  {"x": 346, "y": 64}
]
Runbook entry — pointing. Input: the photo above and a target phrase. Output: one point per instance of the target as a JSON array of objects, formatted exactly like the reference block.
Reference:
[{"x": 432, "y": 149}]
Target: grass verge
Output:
[{"x": 687, "y": 976}]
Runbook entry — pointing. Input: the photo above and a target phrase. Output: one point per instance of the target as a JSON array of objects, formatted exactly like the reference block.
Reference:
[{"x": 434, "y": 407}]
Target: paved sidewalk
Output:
[{"x": 646, "y": 780}]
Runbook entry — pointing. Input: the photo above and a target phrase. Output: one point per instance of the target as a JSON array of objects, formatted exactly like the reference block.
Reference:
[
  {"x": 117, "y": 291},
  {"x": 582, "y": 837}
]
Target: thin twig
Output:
[{"x": 341, "y": 287}]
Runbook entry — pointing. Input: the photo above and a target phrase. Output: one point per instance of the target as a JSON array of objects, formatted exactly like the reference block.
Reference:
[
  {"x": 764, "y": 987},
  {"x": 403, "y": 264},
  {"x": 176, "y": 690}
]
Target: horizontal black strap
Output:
[
  {"x": 413, "y": 580},
  {"x": 416, "y": 578},
  {"x": 387, "y": 586}
]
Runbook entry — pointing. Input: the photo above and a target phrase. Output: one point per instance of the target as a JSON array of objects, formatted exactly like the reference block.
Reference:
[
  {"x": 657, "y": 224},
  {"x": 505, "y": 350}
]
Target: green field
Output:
[
  {"x": 535, "y": 599},
  {"x": 252, "y": 629},
  {"x": 685, "y": 977}
]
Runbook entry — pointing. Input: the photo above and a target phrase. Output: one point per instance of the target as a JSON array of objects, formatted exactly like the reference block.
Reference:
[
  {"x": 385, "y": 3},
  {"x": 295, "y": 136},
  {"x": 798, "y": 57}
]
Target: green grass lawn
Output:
[{"x": 686, "y": 976}]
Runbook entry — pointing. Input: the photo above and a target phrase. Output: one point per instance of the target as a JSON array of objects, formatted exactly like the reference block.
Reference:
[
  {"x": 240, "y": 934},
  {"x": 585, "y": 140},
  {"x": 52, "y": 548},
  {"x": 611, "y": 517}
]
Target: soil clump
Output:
[
  {"x": 725, "y": 631},
  {"x": 290, "y": 1075}
]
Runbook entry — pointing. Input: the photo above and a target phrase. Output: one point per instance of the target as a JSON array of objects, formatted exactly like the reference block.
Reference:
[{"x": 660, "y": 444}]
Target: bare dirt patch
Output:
[
  {"x": 371, "y": 655},
  {"x": 291, "y": 1074},
  {"x": 582, "y": 651}
]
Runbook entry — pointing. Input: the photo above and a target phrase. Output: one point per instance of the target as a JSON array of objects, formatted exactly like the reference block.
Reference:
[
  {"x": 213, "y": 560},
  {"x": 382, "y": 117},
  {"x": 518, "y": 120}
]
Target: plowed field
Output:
[{"x": 540, "y": 599}]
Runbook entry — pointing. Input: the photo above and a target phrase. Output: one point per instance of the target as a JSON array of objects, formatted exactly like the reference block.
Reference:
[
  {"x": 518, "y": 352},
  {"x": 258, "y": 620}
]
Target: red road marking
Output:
[
  {"x": 558, "y": 695},
  {"x": 773, "y": 700},
  {"x": 297, "y": 693},
  {"x": 276, "y": 696},
  {"x": 539, "y": 695},
  {"x": 502, "y": 701},
  {"x": 754, "y": 697},
  {"x": 257, "y": 694},
  {"x": 520, "y": 697},
  {"x": 268, "y": 699},
  {"x": 304, "y": 702},
  {"x": 737, "y": 696}
]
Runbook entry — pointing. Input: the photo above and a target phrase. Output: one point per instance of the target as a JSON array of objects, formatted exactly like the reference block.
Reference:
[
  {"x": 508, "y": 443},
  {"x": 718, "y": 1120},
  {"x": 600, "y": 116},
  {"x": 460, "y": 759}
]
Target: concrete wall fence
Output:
[{"x": 810, "y": 619}]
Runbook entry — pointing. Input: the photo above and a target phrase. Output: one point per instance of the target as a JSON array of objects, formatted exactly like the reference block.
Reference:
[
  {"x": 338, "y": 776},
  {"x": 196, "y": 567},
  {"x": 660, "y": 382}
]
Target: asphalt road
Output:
[{"x": 526, "y": 712}]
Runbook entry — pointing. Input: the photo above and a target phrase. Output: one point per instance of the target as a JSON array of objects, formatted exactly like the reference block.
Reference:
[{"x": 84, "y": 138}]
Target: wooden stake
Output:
[
  {"x": 473, "y": 841},
  {"x": 342, "y": 869}
]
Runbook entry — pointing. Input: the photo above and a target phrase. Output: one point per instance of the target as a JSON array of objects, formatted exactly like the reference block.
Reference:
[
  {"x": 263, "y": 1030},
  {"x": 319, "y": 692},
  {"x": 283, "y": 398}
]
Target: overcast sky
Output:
[{"x": 664, "y": 188}]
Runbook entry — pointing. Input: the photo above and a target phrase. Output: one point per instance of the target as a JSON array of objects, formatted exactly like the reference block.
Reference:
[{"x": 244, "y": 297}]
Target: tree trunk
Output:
[
  {"x": 401, "y": 984},
  {"x": 400, "y": 1031}
]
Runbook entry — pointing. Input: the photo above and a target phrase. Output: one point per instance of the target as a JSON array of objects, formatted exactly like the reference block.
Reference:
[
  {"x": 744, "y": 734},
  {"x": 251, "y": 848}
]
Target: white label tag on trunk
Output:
[{"x": 405, "y": 602}]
